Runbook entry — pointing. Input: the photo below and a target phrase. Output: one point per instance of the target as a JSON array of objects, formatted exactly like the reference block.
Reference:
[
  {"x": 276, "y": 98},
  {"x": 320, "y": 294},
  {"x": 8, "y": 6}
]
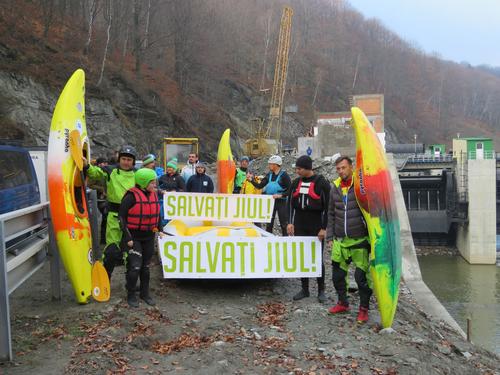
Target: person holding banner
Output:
[
  {"x": 347, "y": 236},
  {"x": 308, "y": 212},
  {"x": 139, "y": 216},
  {"x": 276, "y": 183}
]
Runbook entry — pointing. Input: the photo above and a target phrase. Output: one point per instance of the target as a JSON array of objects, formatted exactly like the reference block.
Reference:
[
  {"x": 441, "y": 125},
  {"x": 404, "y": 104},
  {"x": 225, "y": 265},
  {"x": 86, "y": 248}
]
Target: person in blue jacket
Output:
[
  {"x": 200, "y": 182},
  {"x": 275, "y": 183}
]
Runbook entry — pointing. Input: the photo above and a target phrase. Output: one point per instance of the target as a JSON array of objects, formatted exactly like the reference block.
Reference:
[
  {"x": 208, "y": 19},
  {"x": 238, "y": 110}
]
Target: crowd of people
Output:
[{"x": 310, "y": 205}]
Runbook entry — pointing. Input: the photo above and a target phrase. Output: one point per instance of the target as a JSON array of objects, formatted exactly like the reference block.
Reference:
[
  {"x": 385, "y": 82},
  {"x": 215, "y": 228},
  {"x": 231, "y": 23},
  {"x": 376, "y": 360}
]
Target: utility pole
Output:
[{"x": 415, "y": 139}]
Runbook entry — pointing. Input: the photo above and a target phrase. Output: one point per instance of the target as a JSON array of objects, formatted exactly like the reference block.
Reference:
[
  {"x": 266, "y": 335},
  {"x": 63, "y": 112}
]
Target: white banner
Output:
[
  {"x": 220, "y": 207},
  {"x": 240, "y": 257}
]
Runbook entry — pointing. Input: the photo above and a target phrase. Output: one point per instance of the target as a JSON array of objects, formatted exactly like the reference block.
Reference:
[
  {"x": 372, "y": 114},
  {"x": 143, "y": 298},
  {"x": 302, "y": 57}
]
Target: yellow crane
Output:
[{"x": 265, "y": 142}]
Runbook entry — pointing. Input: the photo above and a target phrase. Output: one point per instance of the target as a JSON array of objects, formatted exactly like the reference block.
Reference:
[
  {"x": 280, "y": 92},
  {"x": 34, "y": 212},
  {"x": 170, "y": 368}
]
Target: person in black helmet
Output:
[
  {"x": 118, "y": 178},
  {"x": 308, "y": 213}
]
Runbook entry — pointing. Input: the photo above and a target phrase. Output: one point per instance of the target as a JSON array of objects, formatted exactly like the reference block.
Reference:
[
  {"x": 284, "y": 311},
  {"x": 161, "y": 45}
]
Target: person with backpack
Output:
[
  {"x": 276, "y": 183},
  {"x": 308, "y": 214}
]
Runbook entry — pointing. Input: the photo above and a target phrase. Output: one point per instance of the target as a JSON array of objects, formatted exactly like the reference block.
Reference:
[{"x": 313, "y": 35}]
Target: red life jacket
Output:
[
  {"x": 144, "y": 214},
  {"x": 305, "y": 198}
]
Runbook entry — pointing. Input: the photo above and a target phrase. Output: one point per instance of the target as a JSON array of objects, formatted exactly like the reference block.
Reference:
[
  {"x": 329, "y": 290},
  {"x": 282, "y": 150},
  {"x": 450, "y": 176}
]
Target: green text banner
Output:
[
  {"x": 240, "y": 257},
  {"x": 219, "y": 207}
]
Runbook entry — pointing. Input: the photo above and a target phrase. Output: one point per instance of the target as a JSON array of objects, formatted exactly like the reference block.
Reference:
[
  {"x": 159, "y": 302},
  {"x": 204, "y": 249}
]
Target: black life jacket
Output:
[{"x": 305, "y": 197}]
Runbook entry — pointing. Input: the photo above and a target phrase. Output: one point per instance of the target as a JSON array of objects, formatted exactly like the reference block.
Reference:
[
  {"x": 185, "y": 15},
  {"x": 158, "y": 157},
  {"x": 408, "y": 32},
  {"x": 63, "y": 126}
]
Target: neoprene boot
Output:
[
  {"x": 132, "y": 300},
  {"x": 145, "y": 296},
  {"x": 322, "y": 296},
  {"x": 304, "y": 291},
  {"x": 321, "y": 289}
]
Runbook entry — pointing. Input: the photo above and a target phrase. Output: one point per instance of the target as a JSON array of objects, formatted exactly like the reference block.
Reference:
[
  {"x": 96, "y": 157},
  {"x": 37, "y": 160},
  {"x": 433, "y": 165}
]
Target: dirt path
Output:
[{"x": 214, "y": 327}]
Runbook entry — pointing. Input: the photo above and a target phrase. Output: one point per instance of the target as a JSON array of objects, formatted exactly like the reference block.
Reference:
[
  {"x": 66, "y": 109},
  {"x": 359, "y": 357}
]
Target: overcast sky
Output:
[{"x": 459, "y": 30}]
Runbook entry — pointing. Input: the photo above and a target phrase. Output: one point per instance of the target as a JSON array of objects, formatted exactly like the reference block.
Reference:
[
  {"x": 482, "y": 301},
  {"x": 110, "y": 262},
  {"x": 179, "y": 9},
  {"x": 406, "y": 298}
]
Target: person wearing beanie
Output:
[
  {"x": 241, "y": 174},
  {"x": 118, "y": 179},
  {"x": 171, "y": 180},
  {"x": 276, "y": 183},
  {"x": 149, "y": 161},
  {"x": 308, "y": 212},
  {"x": 200, "y": 182},
  {"x": 139, "y": 218}
]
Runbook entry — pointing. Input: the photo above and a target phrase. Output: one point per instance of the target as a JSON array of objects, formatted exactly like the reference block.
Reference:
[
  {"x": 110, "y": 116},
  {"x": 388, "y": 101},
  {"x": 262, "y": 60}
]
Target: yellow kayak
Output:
[
  {"x": 226, "y": 168},
  {"x": 67, "y": 196}
]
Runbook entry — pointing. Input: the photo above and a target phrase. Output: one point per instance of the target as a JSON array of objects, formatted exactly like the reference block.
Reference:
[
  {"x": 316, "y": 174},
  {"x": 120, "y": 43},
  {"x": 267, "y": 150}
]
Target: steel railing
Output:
[{"x": 25, "y": 245}]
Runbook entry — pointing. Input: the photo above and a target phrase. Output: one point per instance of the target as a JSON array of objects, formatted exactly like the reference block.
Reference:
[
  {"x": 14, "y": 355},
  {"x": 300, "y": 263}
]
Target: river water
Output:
[{"x": 467, "y": 291}]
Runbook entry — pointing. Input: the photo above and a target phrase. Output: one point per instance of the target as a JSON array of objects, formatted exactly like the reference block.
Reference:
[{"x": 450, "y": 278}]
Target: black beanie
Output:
[{"x": 305, "y": 162}]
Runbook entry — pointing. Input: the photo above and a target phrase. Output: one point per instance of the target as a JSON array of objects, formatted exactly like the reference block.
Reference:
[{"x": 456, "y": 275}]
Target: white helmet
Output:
[{"x": 275, "y": 159}]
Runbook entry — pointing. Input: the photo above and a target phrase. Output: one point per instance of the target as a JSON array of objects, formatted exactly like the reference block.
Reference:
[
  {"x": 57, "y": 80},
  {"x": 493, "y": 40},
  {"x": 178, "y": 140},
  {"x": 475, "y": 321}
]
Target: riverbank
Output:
[{"x": 240, "y": 327}]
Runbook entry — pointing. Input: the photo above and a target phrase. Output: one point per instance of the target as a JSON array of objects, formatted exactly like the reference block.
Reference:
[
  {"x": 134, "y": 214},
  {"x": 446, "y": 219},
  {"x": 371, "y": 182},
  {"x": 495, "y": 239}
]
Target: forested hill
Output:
[{"x": 194, "y": 67}]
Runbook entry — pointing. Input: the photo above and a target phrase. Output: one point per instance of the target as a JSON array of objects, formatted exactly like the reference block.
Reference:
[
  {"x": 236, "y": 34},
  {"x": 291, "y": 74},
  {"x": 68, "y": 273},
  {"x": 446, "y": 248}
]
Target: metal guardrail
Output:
[
  {"x": 485, "y": 155},
  {"x": 426, "y": 158},
  {"x": 25, "y": 244}
]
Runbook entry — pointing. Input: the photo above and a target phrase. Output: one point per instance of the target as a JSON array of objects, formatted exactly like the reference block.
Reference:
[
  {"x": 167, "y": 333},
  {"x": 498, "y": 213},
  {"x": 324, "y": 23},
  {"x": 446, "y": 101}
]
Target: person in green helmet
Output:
[
  {"x": 241, "y": 174},
  {"x": 139, "y": 219},
  {"x": 118, "y": 178}
]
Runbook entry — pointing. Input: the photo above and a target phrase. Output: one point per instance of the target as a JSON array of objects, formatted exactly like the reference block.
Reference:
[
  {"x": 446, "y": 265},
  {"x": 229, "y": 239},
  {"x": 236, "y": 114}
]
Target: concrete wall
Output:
[
  {"x": 410, "y": 267},
  {"x": 476, "y": 240},
  {"x": 336, "y": 139},
  {"x": 304, "y": 143}
]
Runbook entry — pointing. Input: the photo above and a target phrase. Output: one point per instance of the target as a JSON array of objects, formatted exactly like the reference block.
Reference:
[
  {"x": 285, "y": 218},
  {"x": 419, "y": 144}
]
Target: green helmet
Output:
[{"x": 144, "y": 176}]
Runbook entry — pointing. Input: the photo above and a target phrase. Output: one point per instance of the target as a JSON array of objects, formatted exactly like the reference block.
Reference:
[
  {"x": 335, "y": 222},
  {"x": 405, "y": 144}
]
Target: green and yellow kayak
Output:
[{"x": 375, "y": 195}]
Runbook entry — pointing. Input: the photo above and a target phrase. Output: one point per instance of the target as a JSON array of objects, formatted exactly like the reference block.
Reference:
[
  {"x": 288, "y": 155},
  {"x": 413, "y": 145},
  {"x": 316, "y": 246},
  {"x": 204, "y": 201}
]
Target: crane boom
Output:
[{"x": 280, "y": 74}]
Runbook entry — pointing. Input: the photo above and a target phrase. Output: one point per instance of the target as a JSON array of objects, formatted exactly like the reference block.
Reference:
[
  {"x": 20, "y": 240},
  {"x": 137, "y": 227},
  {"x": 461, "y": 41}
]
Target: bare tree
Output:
[
  {"x": 93, "y": 12},
  {"x": 47, "y": 7},
  {"x": 108, "y": 16}
]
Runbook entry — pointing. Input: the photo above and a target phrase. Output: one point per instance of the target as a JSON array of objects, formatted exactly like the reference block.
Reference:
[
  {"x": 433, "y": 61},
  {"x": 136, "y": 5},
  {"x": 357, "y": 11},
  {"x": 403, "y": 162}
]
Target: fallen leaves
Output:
[
  {"x": 140, "y": 329},
  {"x": 182, "y": 342},
  {"x": 271, "y": 313},
  {"x": 157, "y": 315}
]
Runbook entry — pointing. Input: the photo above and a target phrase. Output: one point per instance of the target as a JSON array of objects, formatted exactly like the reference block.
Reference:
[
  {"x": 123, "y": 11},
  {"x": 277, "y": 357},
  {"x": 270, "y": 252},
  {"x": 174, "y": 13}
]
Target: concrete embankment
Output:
[{"x": 411, "y": 269}]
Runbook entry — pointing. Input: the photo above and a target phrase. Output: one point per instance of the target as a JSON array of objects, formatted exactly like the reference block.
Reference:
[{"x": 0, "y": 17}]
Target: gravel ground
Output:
[{"x": 239, "y": 327}]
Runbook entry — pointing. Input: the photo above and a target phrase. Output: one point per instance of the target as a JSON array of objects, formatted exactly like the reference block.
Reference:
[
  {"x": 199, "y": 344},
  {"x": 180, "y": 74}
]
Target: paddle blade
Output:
[
  {"x": 101, "y": 290},
  {"x": 75, "y": 148}
]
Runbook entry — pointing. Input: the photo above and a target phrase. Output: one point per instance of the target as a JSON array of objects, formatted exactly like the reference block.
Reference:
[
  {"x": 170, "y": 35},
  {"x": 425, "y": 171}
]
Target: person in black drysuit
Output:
[
  {"x": 308, "y": 214},
  {"x": 139, "y": 217},
  {"x": 275, "y": 183}
]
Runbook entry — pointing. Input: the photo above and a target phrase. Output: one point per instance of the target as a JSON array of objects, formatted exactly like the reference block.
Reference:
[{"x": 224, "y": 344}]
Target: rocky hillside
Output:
[{"x": 196, "y": 67}]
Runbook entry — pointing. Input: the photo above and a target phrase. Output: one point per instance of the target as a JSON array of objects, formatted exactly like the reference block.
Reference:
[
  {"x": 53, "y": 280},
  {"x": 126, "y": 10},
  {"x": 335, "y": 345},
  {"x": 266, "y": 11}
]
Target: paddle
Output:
[{"x": 100, "y": 279}]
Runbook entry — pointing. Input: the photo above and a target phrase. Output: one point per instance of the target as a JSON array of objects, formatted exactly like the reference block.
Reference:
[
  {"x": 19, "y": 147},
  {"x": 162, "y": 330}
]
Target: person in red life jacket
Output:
[
  {"x": 308, "y": 214},
  {"x": 139, "y": 216},
  {"x": 347, "y": 236},
  {"x": 276, "y": 183}
]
